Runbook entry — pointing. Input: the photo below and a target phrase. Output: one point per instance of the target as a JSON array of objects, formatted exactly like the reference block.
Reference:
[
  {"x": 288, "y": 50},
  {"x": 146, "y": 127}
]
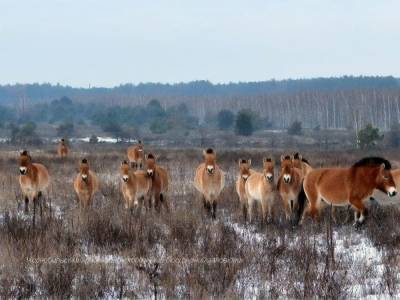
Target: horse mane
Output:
[
  {"x": 373, "y": 161},
  {"x": 84, "y": 161},
  {"x": 297, "y": 156},
  {"x": 24, "y": 153},
  {"x": 150, "y": 156},
  {"x": 243, "y": 161},
  {"x": 62, "y": 140},
  {"x": 287, "y": 157},
  {"x": 268, "y": 159},
  {"x": 124, "y": 162}
]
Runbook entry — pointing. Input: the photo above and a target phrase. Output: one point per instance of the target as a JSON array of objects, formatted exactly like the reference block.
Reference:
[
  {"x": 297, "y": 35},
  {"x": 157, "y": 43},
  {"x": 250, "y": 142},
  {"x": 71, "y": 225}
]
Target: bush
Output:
[
  {"x": 368, "y": 136},
  {"x": 244, "y": 123},
  {"x": 225, "y": 119},
  {"x": 295, "y": 128}
]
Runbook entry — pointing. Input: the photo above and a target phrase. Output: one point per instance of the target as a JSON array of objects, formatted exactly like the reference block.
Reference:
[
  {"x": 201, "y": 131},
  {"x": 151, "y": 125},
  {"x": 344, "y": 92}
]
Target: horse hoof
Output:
[{"x": 357, "y": 225}]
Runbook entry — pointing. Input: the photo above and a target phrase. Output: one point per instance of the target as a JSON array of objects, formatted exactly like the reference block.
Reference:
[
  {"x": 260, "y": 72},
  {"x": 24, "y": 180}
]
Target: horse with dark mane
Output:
[
  {"x": 301, "y": 163},
  {"x": 344, "y": 186}
]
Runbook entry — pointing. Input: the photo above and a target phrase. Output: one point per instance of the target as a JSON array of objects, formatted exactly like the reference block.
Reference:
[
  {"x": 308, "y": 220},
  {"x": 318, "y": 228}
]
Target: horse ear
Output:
[
  {"x": 291, "y": 157},
  {"x": 382, "y": 167},
  {"x": 249, "y": 162},
  {"x": 282, "y": 157},
  {"x": 240, "y": 161}
]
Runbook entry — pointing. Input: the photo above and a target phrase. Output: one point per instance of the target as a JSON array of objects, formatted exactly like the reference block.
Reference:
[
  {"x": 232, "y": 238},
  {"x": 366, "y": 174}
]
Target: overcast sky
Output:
[{"x": 105, "y": 43}]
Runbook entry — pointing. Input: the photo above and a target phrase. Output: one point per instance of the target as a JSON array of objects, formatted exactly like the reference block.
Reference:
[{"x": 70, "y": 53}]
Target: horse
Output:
[
  {"x": 344, "y": 186},
  {"x": 62, "y": 149},
  {"x": 209, "y": 180},
  {"x": 260, "y": 188},
  {"x": 134, "y": 185},
  {"x": 289, "y": 184},
  {"x": 301, "y": 163},
  {"x": 136, "y": 155},
  {"x": 33, "y": 180},
  {"x": 244, "y": 173},
  {"x": 159, "y": 182},
  {"x": 85, "y": 184}
]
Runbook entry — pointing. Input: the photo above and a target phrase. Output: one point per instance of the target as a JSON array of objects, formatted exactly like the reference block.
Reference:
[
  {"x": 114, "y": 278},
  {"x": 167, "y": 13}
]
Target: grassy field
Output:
[{"x": 107, "y": 252}]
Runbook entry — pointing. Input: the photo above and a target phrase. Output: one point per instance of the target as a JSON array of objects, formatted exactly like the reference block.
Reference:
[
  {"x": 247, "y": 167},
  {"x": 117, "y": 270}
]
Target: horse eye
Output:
[{"x": 385, "y": 177}]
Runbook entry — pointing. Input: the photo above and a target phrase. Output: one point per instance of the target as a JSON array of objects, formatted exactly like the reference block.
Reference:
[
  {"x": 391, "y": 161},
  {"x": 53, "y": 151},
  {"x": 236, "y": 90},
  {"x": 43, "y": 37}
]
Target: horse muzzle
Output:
[
  {"x": 150, "y": 173},
  {"x": 22, "y": 171},
  {"x": 269, "y": 177},
  {"x": 392, "y": 192},
  {"x": 84, "y": 177},
  {"x": 125, "y": 178},
  {"x": 286, "y": 179},
  {"x": 210, "y": 170},
  {"x": 245, "y": 177}
]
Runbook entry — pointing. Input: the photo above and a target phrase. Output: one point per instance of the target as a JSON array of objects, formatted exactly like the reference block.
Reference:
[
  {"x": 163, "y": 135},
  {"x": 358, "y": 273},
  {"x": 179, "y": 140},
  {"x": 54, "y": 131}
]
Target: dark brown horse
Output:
[{"x": 344, "y": 186}]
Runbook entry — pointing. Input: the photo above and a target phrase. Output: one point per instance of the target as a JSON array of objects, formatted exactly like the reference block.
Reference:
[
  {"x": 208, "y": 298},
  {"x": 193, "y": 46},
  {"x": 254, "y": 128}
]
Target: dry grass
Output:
[{"x": 95, "y": 253}]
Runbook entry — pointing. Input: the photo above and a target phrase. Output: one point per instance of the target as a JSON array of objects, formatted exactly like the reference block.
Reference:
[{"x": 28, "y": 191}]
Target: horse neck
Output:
[
  {"x": 131, "y": 177},
  {"x": 32, "y": 171},
  {"x": 370, "y": 180}
]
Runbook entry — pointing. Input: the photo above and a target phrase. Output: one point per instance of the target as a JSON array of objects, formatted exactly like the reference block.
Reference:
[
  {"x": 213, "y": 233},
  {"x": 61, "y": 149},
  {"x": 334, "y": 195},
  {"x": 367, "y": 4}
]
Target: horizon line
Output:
[{"x": 215, "y": 83}]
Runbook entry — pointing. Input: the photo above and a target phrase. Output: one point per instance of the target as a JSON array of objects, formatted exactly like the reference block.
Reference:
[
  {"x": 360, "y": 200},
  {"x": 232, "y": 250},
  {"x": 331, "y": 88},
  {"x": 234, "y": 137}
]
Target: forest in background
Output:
[{"x": 347, "y": 103}]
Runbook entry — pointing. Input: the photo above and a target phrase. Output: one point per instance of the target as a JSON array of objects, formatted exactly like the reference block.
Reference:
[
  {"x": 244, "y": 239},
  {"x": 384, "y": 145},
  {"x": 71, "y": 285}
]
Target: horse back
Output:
[
  {"x": 331, "y": 184},
  {"x": 163, "y": 178}
]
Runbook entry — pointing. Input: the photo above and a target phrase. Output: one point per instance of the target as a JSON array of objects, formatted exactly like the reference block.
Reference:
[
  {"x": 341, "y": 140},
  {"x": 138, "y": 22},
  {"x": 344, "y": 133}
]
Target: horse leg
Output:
[
  {"x": 286, "y": 207},
  {"x": 250, "y": 209},
  {"x": 26, "y": 204},
  {"x": 244, "y": 211},
  {"x": 214, "y": 209},
  {"x": 157, "y": 201},
  {"x": 164, "y": 201},
  {"x": 270, "y": 205},
  {"x": 314, "y": 201},
  {"x": 34, "y": 212},
  {"x": 360, "y": 211}
]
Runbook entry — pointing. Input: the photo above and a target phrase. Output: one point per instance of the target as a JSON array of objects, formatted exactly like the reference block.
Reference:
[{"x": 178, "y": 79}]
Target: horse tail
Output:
[{"x": 301, "y": 198}]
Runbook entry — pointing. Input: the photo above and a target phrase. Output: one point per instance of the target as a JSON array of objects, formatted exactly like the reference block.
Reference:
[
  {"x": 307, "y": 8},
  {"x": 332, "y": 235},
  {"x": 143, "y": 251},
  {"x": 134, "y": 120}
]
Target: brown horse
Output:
[
  {"x": 85, "y": 184},
  {"x": 33, "y": 179},
  {"x": 62, "y": 149},
  {"x": 136, "y": 155},
  {"x": 135, "y": 186},
  {"x": 301, "y": 163},
  {"x": 244, "y": 174},
  {"x": 289, "y": 185},
  {"x": 260, "y": 188},
  {"x": 209, "y": 180},
  {"x": 343, "y": 186},
  {"x": 159, "y": 182}
]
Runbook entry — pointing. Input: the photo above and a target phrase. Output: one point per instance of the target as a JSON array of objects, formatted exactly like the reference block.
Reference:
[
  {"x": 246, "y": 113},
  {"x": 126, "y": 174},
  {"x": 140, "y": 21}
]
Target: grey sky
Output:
[{"x": 105, "y": 43}]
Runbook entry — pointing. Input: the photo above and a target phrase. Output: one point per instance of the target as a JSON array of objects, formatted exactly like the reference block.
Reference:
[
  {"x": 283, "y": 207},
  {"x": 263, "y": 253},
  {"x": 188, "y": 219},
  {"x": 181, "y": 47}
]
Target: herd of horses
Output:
[{"x": 301, "y": 188}]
